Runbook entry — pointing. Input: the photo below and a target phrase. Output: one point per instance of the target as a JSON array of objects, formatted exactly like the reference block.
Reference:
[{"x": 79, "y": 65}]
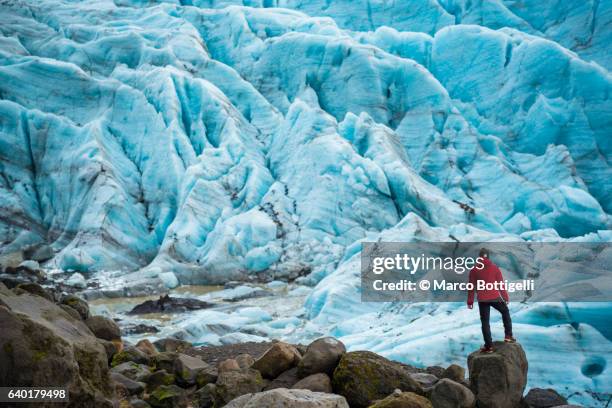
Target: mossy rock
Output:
[
  {"x": 363, "y": 377},
  {"x": 130, "y": 354},
  {"x": 157, "y": 378},
  {"x": 167, "y": 396},
  {"x": 403, "y": 400}
]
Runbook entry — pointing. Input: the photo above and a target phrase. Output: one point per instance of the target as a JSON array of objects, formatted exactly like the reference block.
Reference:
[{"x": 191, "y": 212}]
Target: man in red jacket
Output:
[{"x": 495, "y": 295}]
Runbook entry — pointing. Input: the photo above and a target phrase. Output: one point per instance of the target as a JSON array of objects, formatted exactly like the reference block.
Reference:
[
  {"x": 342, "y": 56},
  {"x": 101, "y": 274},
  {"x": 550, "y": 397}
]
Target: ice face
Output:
[{"x": 239, "y": 141}]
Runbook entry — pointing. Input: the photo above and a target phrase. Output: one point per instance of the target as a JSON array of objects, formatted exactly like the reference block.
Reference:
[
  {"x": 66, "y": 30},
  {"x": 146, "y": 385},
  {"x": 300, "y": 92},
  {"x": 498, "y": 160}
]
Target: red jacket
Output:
[{"x": 490, "y": 273}]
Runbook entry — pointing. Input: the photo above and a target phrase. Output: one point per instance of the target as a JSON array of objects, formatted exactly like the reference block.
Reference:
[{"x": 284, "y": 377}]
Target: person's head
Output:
[{"x": 484, "y": 253}]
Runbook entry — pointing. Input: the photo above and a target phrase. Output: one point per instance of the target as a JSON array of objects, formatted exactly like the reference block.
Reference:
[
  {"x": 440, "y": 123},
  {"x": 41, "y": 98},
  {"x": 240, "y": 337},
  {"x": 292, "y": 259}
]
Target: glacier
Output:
[{"x": 197, "y": 142}]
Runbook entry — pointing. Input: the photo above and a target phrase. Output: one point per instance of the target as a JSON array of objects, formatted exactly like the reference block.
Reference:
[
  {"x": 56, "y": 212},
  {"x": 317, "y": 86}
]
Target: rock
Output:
[
  {"x": 167, "y": 396},
  {"x": 133, "y": 387},
  {"x": 498, "y": 379},
  {"x": 44, "y": 346},
  {"x": 103, "y": 328},
  {"x": 36, "y": 289},
  {"x": 39, "y": 253},
  {"x": 234, "y": 383},
  {"x": 131, "y": 370},
  {"x": 543, "y": 398},
  {"x": 121, "y": 391},
  {"x": 167, "y": 304},
  {"x": 138, "y": 329},
  {"x": 172, "y": 344},
  {"x": 454, "y": 372},
  {"x": 138, "y": 403},
  {"x": 402, "y": 400},
  {"x": 285, "y": 380},
  {"x": 71, "y": 312},
  {"x": 319, "y": 382},
  {"x": 147, "y": 347},
  {"x": 424, "y": 379},
  {"x": 77, "y": 280},
  {"x": 164, "y": 361},
  {"x": 322, "y": 356},
  {"x": 435, "y": 370},
  {"x": 157, "y": 378},
  {"x": 450, "y": 394},
  {"x": 282, "y": 397},
  {"x": 130, "y": 354},
  {"x": 278, "y": 358},
  {"x": 205, "y": 396},
  {"x": 229, "y": 365},
  {"x": 191, "y": 370},
  {"x": 109, "y": 346},
  {"x": 245, "y": 360},
  {"x": 363, "y": 376},
  {"x": 77, "y": 304}
]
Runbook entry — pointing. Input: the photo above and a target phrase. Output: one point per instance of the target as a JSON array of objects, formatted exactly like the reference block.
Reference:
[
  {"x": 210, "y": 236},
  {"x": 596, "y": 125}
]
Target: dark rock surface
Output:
[
  {"x": 103, "y": 328},
  {"x": 168, "y": 304}
]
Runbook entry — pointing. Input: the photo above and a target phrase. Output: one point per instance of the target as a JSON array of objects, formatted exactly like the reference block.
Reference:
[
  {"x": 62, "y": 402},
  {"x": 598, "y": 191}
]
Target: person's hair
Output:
[{"x": 484, "y": 253}]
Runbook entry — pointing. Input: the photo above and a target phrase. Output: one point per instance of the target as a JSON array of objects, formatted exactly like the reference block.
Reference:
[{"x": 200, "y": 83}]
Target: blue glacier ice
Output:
[{"x": 200, "y": 141}]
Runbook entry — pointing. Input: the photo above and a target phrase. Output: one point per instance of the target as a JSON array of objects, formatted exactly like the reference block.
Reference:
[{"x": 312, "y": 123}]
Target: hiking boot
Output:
[
  {"x": 486, "y": 349},
  {"x": 509, "y": 339}
]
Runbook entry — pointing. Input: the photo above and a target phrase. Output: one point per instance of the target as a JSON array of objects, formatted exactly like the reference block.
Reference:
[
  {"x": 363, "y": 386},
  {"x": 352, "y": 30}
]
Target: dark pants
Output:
[{"x": 485, "y": 313}]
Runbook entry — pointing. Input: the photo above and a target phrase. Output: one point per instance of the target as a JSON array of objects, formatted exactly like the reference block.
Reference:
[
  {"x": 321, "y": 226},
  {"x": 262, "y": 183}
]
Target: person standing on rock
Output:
[{"x": 498, "y": 299}]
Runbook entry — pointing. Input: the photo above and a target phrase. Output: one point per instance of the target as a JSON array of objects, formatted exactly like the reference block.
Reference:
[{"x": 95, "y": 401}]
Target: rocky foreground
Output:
[{"x": 50, "y": 339}]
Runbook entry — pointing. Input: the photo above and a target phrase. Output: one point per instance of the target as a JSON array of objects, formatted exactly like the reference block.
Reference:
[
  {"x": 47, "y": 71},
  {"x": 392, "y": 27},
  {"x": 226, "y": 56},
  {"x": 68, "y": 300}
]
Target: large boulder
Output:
[
  {"x": 450, "y": 394},
  {"x": 543, "y": 398},
  {"x": 319, "y": 382},
  {"x": 42, "y": 345},
  {"x": 278, "y": 358},
  {"x": 402, "y": 400},
  {"x": 282, "y": 397},
  {"x": 322, "y": 356},
  {"x": 234, "y": 383},
  {"x": 103, "y": 328},
  {"x": 363, "y": 377},
  {"x": 498, "y": 379}
]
